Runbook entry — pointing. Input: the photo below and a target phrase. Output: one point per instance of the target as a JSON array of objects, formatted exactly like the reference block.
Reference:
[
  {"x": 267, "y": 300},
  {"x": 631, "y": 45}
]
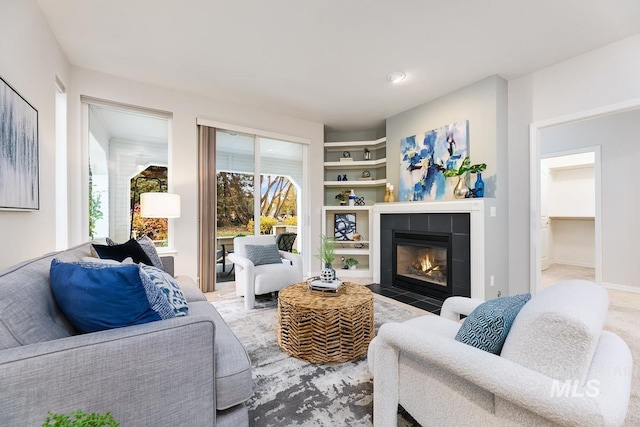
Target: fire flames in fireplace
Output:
[{"x": 424, "y": 264}]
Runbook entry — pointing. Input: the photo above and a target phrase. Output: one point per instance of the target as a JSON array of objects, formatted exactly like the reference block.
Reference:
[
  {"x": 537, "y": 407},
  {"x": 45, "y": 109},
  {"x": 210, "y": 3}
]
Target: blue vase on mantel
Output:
[{"x": 479, "y": 186}]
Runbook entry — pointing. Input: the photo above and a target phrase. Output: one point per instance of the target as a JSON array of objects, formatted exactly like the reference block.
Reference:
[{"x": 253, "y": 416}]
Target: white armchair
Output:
[
  {"x": 557, "y": 366},
  {"x": 252, "y": 280}
]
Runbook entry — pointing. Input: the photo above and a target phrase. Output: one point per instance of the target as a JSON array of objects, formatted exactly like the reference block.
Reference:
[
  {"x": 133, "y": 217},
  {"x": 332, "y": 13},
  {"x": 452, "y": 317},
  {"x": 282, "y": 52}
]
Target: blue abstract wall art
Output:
[
  {"x": 344, "y": 226},
  {"x": 19, "y": 186},
  {"x": 422, "y": 164}
]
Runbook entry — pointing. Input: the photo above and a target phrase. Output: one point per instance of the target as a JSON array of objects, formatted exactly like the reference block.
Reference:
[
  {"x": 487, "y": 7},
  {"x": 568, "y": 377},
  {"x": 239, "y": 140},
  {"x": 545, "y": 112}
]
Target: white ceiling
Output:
[{"x": 327, "y": 60}]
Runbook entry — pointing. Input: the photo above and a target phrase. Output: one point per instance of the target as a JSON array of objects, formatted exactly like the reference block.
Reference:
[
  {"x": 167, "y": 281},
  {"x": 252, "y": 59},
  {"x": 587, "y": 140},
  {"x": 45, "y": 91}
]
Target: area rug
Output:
[{"x": 292, "y": 392}]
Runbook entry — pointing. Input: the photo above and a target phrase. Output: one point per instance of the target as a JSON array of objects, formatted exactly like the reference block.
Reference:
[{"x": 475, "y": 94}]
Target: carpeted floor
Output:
[{"x": 292, "y": 392}]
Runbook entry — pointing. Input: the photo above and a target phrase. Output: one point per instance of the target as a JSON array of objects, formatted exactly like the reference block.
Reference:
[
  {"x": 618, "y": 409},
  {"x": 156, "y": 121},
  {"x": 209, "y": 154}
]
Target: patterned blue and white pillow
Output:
[
  {"x": 488, "y": 325},
  {"x": 167, "y": 286},
  {"x": 263, "y": 254},
  {"x": 149, "y": 248}
]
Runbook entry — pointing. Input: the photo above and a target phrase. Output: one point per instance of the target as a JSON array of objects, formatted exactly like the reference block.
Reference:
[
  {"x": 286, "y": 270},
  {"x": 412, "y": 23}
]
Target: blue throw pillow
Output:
[
  {"x": 96, "y": 297},
  {"x": 168, "y": 286},
  {"x": 488, "y": 325},
  {"x": 263, "y": 254}
]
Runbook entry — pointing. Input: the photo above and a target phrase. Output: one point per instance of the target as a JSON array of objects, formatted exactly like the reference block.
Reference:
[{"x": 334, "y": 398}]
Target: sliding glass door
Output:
[{"x": 258, "y": 190}]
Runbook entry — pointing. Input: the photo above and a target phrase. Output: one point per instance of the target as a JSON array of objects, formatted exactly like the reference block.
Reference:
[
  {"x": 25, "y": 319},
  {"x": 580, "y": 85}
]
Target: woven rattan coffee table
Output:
[{"x": 325, "y": 329}]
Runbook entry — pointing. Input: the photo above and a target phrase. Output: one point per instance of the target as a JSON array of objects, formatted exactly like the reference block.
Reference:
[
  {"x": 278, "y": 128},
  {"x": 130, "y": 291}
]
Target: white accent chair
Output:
[
  {"x": 252, "y": 280},
  {"x": 557, "y": 366}
]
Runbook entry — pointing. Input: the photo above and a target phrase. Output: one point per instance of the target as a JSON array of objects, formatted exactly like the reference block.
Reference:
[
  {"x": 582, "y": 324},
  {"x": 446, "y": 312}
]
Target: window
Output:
[{"x": 128, "y": 155}]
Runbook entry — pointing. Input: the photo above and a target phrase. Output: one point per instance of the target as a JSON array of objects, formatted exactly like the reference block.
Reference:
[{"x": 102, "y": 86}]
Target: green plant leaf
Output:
[{"x": 327, "y": 250}]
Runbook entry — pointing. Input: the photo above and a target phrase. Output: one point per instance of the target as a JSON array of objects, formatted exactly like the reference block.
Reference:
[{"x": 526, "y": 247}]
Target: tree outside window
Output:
[
  {"x": 151, "y": 180},
  {"x": 278, "y": 203}
]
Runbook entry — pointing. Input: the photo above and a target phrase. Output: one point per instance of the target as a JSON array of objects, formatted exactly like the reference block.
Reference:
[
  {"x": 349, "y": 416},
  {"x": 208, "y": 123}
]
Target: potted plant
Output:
[
  {"x": 461, "y": 189},
  {"x": 80, "y": 419},
  {"x": 326, "y": 254},
  {"x": 351, "y": 263},
  {"x": 343, "y": 197}
]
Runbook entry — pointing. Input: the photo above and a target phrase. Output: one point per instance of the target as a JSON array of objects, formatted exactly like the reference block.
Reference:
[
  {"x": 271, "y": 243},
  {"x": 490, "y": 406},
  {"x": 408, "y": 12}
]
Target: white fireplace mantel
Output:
[{"x": 476, "y": 210}]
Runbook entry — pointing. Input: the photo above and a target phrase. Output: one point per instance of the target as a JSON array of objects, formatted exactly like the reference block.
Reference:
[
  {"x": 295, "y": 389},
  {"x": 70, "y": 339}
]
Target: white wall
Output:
[
  {"x": 618, "y": 136},
  {"x": 573, "y": 242},
  {"x": 572, "y": 192},
  {"x": 30, "y": 60},
  {"x": 483, "y": 104},
  {"x": 183, "y": 151},
  {"x": 603, "y": 77}
]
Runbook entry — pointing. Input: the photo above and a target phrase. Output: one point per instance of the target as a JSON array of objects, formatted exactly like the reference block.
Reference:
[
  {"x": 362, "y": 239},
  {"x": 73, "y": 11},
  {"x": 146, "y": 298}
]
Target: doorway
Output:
[
  {"x": 252, "y": 168},
  {"x": 612, "y": 132},
  {"x": 568, "y": 194}
]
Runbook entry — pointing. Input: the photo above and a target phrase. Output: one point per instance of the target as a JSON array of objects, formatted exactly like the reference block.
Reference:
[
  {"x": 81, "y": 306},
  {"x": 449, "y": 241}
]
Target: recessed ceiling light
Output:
[{"x": 396, "y": 77}]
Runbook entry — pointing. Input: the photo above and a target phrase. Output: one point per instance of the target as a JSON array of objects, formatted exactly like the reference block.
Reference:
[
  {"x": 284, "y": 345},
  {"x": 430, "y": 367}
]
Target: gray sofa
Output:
[{"x": 189, "y": 370}]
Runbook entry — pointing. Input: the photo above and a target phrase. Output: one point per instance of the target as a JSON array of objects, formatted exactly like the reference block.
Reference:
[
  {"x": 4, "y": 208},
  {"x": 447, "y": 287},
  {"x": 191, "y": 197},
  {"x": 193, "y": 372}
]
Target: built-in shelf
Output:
[
  {"x": 357, "y": 164},
  {"x": 356, "y": 183},
  {"x": 351, "y": 251},
  {"x": 574, "y": 218},
  {"x": 360, "y": 250},
  {"x": 340, "y": 146}
]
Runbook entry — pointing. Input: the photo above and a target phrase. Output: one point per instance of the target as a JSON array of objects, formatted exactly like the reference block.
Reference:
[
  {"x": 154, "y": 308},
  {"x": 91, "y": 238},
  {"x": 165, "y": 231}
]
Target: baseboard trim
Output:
[{"x": 617, "y": 287}]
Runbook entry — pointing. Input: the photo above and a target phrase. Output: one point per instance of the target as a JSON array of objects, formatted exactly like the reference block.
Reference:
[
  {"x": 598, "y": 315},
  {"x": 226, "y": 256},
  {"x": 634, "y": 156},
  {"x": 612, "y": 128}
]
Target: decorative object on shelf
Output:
[
  {"x": 423, "y": 164},
  {"x": 352, "y": 198},
  {"x": 366, "y": 174},
  {"x": 343, "y": 197},
  {"x": 327, "y": 274},
  {"x": 339, "y": 177},
  {"x": 461, "y": 190},
  {"x": 344, "y": 177},
  {"x": 326, "y": 254},
  {"x": 18, "y": 151},
  {"x": 344, "y": 226},
  {"x": 388, "y": 195},
  {"x": 359, "y": 201},
  {"x": 367, "y": 154},
  {"x": 351, "y": 263},
  {"x": 357, "y": 237},
  {"x": 346, "y": 157},
  {"x": 478, "y": 188}
]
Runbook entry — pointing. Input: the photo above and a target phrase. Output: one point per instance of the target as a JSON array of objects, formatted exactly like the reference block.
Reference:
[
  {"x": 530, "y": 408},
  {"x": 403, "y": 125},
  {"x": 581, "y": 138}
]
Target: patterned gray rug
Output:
[{"x": 292, "y": 392}]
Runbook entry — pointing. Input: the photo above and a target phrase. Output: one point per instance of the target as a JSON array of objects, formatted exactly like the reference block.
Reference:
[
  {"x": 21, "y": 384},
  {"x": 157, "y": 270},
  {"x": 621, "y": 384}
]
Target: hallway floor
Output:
[{"x": 559, "y": 272}]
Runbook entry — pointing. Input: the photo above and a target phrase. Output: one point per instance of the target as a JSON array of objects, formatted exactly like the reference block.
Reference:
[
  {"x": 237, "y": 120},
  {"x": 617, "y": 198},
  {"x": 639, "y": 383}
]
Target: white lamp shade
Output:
[{"x": 159, "y": 205}]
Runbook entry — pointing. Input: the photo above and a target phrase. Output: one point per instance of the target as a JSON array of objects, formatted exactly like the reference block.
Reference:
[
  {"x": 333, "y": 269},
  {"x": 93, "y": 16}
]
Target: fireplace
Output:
[
  {"x": 447, "y": 235},
  {"x": 421, "y": 262}
]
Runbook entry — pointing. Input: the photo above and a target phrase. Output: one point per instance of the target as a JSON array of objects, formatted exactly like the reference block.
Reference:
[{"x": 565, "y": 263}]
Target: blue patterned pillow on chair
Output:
[
  {"x": 488, "y": 325},
  {"x": 263, "y": 254}
]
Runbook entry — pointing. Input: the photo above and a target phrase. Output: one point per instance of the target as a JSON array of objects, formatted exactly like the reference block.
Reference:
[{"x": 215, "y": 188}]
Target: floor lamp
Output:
[{"x": 159, "y": 205}]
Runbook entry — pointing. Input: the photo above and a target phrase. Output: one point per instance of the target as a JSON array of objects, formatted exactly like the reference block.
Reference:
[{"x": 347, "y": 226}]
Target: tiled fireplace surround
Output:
[{"x": 463, "y": 218}]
